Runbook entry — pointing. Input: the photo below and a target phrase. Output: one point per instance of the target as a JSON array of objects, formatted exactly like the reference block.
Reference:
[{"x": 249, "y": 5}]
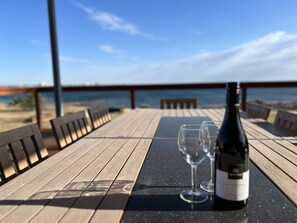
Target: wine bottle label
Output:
[{"x": 234, "y": 184}]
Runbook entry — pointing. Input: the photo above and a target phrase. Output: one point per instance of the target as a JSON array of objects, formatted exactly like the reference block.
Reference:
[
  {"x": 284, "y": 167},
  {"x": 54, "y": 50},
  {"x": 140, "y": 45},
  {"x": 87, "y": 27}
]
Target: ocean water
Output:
[{"x": 152, "y": 98}]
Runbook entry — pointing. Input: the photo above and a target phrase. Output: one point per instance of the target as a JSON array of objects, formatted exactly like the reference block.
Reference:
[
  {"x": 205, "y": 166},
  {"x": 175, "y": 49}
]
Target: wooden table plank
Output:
[
  {"x": 186, "y": 113},
  {"x": 277, "y": 176},
  {"x": 279, "y": 161},
  {"x": 119, "y": 129},
  {"x": 150, "y": 132},
  {"x": 24, "y": 178},
  {"x": 199, "y": 112},
  {"x": 213, "y": 115},
  {"x": 192, "y": 112},
  {"x": 282, "y": 150},
  {"x": 142, "y": 128},
  {"x": 83, "y": 208},
  {"x": 6, "y": 209},
  {"x": 289, "y": 144},
  {"x": 172, "y": 112},
  {"x": 113, "y": 204},
  {"x": 250, "y": 125},
  {"x": 28, "y": 189},
  {"x": 60, "y": 204},
  {"x": 166, "y": 112},
  {"x": 50, "y": 189},
  {"x": 216, "y": 115},
  {"x": 143, "y": 124}
]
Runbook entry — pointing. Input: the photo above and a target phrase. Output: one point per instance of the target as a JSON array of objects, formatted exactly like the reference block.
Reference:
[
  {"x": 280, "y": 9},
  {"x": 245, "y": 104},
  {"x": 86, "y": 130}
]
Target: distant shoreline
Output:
[
  {"x": 145, "y": 98},
  {"x": 281, "y": 105}
]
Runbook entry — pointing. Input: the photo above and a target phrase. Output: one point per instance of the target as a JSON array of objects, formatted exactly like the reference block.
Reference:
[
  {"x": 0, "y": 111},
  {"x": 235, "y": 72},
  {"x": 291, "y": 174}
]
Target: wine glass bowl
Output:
[
  {"x": 190, "y": 141},
  {"x": 210, "y": 144}
]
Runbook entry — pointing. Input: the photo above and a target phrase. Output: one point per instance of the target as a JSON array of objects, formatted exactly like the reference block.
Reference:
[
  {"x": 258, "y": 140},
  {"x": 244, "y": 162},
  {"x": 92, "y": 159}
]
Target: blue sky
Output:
[{"x": 149, "y": 41}]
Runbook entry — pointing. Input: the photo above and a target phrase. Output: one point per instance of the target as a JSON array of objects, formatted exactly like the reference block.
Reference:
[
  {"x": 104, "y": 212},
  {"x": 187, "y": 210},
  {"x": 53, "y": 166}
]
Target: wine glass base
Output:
[
  {"x": 207, "y": 186},
  {"x": 193, "y": 197}
]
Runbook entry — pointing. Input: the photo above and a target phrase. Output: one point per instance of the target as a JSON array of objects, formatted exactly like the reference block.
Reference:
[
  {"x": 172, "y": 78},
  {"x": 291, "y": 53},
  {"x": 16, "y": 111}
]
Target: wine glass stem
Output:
[
  {"x": 194, "y": 177},
  {"x": 211, "y": 170}
]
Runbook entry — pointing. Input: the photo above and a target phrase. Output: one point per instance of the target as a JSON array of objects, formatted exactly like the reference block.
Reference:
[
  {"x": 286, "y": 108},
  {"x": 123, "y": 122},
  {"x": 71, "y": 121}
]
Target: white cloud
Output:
[
  {"x": 109, "y": 21},
  {"x": 109, "y": 49},
  {"x": 38, "y": 42},
  {"x": 272, "y": 57},
  {"x": 200, "y": 33},
  {"x": 113, "y": 22},
  {"x": 68, "y": 59}
]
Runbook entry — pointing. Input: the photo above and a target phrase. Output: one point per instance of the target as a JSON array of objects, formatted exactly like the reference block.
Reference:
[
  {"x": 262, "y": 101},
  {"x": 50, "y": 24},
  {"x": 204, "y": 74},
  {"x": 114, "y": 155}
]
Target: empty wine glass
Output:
[
  {"x": 210, "y": 144},
  {"x": 190, "y": 141}
]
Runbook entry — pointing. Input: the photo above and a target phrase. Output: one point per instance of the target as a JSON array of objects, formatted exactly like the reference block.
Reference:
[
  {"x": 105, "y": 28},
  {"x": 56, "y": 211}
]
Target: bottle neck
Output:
[{"x": 232, "y": 105}]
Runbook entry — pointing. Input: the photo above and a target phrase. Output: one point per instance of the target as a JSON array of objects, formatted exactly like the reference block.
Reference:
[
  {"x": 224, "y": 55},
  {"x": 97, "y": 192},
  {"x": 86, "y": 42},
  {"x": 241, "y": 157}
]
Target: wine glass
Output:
[
  {"x": 210, "y": 144},
  {"x": 190, "y": 141}
]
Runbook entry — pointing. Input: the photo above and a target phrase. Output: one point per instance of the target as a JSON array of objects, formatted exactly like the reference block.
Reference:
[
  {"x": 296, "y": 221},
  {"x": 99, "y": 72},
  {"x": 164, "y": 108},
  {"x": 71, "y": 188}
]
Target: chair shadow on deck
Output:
[
  {"x": 275, "y": 130},
  {"x": 272, "y": 128}
]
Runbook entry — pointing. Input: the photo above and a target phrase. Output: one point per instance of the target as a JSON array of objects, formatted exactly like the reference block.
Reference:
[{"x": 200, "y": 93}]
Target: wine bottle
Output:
[{"x": 231, "y": 156}]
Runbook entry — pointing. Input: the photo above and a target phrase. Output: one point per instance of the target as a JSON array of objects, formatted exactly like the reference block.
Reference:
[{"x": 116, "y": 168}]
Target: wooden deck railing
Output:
[{"x": 133, "y": 88}]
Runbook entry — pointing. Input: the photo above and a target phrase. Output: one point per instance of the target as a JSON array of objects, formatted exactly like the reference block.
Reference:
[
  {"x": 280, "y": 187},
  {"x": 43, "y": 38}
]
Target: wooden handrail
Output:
[
  {"x": 4, "y": 91},
  {"x": 133, "y": 88}
]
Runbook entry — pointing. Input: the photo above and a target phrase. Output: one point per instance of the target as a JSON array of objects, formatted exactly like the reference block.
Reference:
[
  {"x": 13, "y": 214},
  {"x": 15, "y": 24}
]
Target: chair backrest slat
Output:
[
  {"x": 29, "y": 149},
  {"x": 99, "y": 114},
  {"x": 19, "y": 156},
  {"x": 7, "y": 169},
  {"x": 69, "y": 128},
  {"x": 21, "y": 148},
  {"x": 83, "y": 127},
  {"x": 286, "y": 120},
  {"x": 78, "y": 129},
  {"x": 259, "y": 111},
  {"x": 178, "y": 103},
  {"x": 38, "y": 142},
  {"x": 67, "y": 134},
  {"x": 72, "y": 131}
]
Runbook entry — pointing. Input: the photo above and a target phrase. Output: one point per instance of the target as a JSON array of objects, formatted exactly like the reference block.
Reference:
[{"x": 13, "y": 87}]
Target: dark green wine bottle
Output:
[{"x": 232, "y": 156}]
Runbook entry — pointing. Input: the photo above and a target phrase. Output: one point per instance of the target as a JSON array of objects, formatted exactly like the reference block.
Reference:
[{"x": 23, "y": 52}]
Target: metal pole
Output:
[
  {"x": 55, "y": 57},
  {"x": 132, "y": 98},
  {"x": 38, "y": 109}
]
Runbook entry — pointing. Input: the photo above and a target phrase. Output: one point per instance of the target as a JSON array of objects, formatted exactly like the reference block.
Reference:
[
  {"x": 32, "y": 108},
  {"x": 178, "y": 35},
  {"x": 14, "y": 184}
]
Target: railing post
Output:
[
  {"x": 132, "y": 98},
  {"x": 38, "y": 109},
  {"x": 243, "y": 97}
]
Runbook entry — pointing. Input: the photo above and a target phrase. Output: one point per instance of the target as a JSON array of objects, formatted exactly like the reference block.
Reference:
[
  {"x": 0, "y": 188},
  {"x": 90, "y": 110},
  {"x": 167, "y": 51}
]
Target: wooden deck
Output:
[{"x": 92, "y": 179}]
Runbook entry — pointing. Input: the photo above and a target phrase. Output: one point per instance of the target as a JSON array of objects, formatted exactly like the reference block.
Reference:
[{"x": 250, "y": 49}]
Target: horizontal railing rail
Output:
[{"x": 132, "y": 88}]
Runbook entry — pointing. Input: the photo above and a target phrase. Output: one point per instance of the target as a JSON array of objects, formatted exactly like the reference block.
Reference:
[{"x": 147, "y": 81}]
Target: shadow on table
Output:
[
  {"x": 112, "y": 195},
  {"x": 85, "y": 194},
  {"x": 273, "y": 129}
]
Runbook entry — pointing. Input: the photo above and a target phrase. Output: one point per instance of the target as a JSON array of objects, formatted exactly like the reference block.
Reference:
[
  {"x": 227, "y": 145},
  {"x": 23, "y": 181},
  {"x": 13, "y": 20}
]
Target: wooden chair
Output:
[
  {"x": 258, "y": 110},
  {"x": 286, "y": 120},
  {"x": 20, "y": 149},
  {"x": 181, "y": 103},
  {"x": 99, "y": 115},
  {"x": 69, "y": 128}
]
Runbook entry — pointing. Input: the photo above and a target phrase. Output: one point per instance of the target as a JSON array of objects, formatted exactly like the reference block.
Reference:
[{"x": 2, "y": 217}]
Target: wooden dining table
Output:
[{"x": 130, "y": 170}]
